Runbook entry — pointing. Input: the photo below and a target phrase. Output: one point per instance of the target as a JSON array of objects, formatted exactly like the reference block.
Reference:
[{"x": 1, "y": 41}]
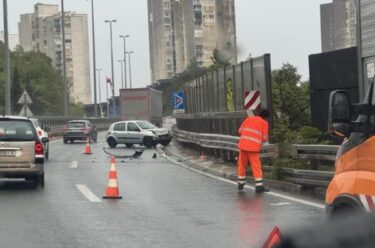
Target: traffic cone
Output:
[
  {"x": 88, "y": 147},
  {"x": 112, "y": 191},
  {"x": 274, "y": 238}
]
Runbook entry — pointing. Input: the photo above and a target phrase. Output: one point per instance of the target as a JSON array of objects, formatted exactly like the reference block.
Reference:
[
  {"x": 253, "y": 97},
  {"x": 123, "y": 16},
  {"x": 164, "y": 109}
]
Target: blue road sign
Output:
[{"x": 178, "y": 102}]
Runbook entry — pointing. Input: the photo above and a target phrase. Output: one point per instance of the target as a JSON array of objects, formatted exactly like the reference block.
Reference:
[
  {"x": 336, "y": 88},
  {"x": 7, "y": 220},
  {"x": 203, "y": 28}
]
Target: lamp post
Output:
[
  {"x": 94, "y": 58},
  {"x": 130, "y": 69},
  {"x": 65, "y": 82},
  {"x": 112, "y": 69},
  {"x": 100, "y": 97},
  {"x": 8, "y": 108},
  {"x": 122, "y": 72},
  {"x": 124, "y": 38}
]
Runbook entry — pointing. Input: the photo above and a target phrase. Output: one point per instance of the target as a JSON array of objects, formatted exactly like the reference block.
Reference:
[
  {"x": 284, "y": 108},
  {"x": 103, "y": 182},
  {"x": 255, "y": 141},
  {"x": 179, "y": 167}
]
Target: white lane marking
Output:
[
  {"x": 286, "y": 197},
  {"x": 280, "y": 204},
  {"x": 87, "y": 193},
  {"x": 74, "y": 165}
]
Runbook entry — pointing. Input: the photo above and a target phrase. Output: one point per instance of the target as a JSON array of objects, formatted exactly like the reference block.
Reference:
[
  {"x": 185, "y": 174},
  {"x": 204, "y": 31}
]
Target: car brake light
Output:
[
  {"x": 65, "y": 129},
  {"x": 39, "y": 148},
  {"x": 85, "y": 130}
]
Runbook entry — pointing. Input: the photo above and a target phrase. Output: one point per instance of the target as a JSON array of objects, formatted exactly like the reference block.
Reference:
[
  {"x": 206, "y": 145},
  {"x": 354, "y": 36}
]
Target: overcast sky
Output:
[{"x": 289, "y": 30}]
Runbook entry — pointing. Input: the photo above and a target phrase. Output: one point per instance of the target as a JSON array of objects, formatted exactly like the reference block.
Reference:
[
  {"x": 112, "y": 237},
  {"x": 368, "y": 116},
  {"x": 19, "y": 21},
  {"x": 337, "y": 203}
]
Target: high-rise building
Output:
[
  {"x": 41, "y": 31},
  {"x": 338, "y": 25},
  {"x": 184, "y": 30}
]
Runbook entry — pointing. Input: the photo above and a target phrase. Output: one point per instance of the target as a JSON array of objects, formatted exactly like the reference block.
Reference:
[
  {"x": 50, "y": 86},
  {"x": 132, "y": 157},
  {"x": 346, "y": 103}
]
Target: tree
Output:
[
  {"x": 291, "y": 107},
  {"x": 33, "y": 71}
]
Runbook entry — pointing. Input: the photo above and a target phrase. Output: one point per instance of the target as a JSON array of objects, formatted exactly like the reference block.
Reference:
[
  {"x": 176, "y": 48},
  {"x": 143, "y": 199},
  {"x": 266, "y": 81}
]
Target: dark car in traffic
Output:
[{"x": 79, "y": 130}]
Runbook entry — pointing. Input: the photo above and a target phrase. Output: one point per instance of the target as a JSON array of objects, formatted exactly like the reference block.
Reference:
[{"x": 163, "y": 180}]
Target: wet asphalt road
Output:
[{"x": 163, "y": 205}]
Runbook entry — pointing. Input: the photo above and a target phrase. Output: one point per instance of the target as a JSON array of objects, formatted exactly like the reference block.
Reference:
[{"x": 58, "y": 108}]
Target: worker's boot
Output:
[
  {"x": 240, "y": 186},
  {"x": 261, "y": 189}
]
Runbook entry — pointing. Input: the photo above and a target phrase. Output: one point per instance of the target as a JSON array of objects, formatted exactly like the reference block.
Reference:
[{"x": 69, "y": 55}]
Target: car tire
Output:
[
  {"x": 111, "y": 142},
  {"x": 47, "y": 153},
  {"x": 165, "y": 142},
  {"x": 148, "y": 142},
  {"x": 39, "y": 180},
  {"x": 129, "y": 145}
]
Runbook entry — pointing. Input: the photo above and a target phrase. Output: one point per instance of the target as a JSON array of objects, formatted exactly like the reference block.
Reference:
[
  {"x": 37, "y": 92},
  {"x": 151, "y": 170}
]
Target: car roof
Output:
[
  {"x": 79, "y": 121},
  {"x": 14, "y": 117}
]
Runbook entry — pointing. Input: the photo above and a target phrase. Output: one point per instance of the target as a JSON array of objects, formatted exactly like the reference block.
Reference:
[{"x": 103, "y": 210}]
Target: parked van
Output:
[{"x": 352, "y": 188}]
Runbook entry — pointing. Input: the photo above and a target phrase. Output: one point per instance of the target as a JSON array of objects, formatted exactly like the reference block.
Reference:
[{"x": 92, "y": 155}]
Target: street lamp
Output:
[
  {"x": 65, "y": 81},
  {"x": 112, "y": 69},
  {"x": 122, "y": 72},
  {"x": 100, "y": 97},
  {"x": 130, "y": 69},
  {"x": 94, "y": 59},
  {"x": 124, "y": 38},
  {"x": 8, "y": 108}
]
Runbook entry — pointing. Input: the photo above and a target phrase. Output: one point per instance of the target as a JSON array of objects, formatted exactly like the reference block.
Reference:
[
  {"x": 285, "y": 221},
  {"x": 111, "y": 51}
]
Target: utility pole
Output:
[
  {"x": 8, "y": 103},
  {"x": 100, "y": 96}
]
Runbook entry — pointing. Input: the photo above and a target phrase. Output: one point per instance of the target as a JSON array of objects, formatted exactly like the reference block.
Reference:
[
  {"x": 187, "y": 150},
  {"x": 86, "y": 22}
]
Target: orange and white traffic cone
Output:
[
  {"x": 88, "y": 147},
  {"x": 274, "y": 238},
  {"x": 112, "y": 191}
]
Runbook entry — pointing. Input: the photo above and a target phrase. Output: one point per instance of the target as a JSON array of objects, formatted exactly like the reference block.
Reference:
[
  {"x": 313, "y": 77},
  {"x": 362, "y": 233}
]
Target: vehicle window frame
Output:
[
  {"x": 119, "y": 130},
  {"x": 135, "y": 124}
]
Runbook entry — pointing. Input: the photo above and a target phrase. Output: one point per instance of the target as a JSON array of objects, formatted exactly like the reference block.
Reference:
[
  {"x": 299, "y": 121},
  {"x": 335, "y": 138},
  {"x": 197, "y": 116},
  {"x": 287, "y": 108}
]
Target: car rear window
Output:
[
  {"x": 16, "y": 130},
  {"x": 76, "y": 124}
]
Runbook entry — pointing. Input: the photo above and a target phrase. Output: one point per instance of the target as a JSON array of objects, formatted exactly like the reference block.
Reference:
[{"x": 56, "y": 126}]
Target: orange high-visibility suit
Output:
[{"x": 253, "y": 133}]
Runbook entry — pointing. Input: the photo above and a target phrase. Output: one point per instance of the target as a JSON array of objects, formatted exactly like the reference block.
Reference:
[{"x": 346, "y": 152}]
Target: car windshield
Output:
[
  {"x": 16, "y": 130},
  {"x": 76, "y": 125},
  {"x": 145, "y": 125}
]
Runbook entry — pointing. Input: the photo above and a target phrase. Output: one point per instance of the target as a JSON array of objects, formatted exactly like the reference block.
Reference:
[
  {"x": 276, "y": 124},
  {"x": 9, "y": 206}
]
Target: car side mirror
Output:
[{"x": 339, "y": 114}]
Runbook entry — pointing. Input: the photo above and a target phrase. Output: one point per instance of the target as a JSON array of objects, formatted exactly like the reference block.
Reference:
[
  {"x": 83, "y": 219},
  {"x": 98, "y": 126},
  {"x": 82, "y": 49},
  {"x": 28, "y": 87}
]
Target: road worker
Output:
[{"x": 253, "y": 133}]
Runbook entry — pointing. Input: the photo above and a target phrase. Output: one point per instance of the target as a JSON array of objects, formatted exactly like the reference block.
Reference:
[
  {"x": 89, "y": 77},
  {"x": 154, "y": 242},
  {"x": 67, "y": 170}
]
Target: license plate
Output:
[
  {"x": 7, "y": 153},
  {"x": 76, "y": 130}
]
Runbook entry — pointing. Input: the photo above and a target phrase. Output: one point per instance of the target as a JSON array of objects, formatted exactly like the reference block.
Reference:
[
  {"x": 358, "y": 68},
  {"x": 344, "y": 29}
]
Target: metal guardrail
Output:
[
  {"x": 56, "y": 124},
  {"x": 312, "y": 153}
]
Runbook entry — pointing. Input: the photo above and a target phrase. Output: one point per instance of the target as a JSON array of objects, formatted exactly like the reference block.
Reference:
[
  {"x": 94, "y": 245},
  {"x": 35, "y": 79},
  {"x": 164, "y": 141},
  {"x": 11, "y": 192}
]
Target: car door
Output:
[
  {"x": 119, "y": 132},
  {"x": 133, "y": 134}
]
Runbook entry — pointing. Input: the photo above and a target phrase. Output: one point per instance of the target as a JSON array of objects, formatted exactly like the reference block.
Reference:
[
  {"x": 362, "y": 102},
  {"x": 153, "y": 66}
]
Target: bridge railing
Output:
[{"x": 315, "y": 154}]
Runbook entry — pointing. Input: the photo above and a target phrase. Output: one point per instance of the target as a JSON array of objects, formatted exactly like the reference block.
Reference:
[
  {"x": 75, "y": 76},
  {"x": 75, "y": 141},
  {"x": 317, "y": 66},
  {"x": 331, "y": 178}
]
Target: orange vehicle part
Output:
[{"x": 353, "y": 184}]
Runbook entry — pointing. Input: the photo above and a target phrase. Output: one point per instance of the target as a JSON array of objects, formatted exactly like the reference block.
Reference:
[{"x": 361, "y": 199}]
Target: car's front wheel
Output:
[
  {"x": 165, "y": 142},
  {"x": 111, "y": 142},
  {"x": 148, "y": 142}
]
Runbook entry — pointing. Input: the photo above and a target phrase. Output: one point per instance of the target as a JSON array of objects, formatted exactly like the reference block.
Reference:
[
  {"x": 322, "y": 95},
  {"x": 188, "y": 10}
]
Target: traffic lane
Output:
[
  {"x": 163, "y": 206},
  {"x": 197, "y": 209}
]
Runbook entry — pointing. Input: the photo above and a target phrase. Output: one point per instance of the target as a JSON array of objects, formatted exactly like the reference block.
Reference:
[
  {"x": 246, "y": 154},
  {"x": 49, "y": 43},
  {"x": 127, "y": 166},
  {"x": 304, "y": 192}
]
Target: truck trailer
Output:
[{"x": 142, "y": 104}]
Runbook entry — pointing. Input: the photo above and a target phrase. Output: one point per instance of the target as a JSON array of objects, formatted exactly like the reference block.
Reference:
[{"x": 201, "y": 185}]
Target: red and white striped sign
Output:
[
  {"x": 252, "y": 100},
  {"x": 368, "y": 202}
]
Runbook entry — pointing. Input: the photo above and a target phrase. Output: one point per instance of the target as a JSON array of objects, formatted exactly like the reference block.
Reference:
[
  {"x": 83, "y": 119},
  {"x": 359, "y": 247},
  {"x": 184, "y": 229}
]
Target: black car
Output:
[{"x": 79, "y": 130}]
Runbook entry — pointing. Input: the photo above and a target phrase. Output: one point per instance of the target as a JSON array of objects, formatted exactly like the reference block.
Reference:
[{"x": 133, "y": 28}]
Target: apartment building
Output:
[
  {"x": 183, "y": 30},
  {"x": 41, "y": 31}
]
